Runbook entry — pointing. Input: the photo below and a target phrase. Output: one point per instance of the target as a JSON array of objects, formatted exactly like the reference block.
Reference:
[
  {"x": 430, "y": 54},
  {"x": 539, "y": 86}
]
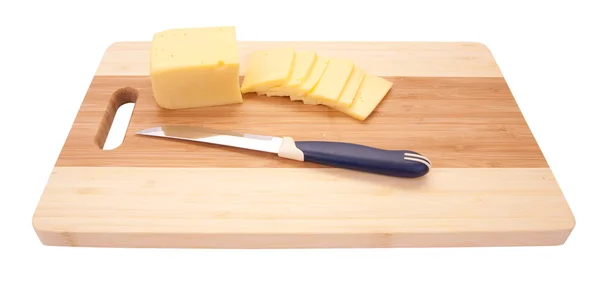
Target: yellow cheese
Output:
[
  {"x": 303, "y": 63},
  {"x": 370, "y": 93},
  {"x": 313, "y": 77},
  {"x": 329, "y": 88},
  {"x": 350, "y": 89},
  {"x": 195, "y": 67},
  {"x": 268, "y": 68}
]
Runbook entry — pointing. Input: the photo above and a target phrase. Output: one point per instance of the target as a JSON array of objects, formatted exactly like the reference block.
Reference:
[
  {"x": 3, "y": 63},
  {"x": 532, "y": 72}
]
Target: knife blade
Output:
[{"x": 397, "y": 163}]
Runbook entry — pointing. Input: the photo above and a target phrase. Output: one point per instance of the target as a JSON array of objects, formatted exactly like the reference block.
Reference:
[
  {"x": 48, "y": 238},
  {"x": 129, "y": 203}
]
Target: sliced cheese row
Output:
[{"x": 315, "y": 79}]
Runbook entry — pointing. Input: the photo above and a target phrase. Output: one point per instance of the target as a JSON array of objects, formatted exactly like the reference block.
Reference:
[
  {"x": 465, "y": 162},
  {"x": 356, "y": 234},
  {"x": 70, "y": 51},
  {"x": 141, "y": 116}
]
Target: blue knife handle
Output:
[{"x": 398, "y": 163}]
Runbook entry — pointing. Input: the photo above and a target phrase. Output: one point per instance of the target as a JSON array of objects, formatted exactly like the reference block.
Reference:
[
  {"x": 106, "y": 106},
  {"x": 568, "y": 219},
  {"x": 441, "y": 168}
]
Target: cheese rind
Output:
[
  {"x": 329, "y": 88},
  {"x": 313, "y": 77},
  {"x": 370, "y": 93},
  {"x": 185, "y": 73},
  {"x": 347, "y": 96},
  {"x": 303, "y": 63},
  {"x": 268, "y": 68}
]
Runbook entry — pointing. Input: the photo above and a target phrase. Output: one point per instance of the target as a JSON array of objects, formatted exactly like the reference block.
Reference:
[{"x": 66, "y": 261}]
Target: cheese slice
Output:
[
  {"x": 195, "y": 67},
  {"x": 370, "y": 93},
  {"x": 350, "y": 89},
  {"x": 329, "y": 88},
  {"x": 268, "y": 68},
  {"x": 313, "y": 77},
  {"x": 303, "y": 63}
]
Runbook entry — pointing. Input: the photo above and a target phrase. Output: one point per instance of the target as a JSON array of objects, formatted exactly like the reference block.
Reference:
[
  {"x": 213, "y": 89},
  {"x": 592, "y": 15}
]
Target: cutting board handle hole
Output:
[{"x": 115, "y": 121}]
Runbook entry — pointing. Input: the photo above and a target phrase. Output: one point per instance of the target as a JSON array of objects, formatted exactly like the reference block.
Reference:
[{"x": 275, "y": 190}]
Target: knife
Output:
[{"x": 397, "y": 163}]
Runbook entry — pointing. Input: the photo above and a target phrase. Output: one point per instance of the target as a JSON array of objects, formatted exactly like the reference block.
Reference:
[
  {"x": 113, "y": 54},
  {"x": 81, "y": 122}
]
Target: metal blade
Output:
[{"x": 207, "y": 135}]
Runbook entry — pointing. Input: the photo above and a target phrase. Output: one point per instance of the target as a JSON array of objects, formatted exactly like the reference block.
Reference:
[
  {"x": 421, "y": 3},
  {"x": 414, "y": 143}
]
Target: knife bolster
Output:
[{"x": 289, "y": 150}]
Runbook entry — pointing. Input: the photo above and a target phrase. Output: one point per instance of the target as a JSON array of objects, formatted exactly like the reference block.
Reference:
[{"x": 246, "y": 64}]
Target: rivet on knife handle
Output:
[{"x": 399, "y": 163}]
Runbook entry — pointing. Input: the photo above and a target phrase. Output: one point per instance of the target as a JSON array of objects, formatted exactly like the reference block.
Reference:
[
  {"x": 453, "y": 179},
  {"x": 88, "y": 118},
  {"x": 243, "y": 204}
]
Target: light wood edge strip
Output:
[
  {"x": 411, "y": 59},
  {"x": 549, "y": 220},
  {"x": 303, "y": 241}
]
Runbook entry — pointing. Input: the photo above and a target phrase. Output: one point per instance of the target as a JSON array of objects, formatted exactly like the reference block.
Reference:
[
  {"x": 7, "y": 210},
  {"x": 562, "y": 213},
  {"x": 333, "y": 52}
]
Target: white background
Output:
[{"x": 548, "y": 53}]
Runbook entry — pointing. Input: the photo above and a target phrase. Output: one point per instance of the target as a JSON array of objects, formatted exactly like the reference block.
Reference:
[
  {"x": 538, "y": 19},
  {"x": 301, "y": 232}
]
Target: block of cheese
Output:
[
  {"x": 313, "y": 77},
  {"x": 303, "y": 63},
  {"x": 368, "y": 96},
  {"x": 329, "y": 88},
  {"x": 268, "y": 68},
  {"x": 195, "y": 67},
  {"x": 347, "y": 96}
]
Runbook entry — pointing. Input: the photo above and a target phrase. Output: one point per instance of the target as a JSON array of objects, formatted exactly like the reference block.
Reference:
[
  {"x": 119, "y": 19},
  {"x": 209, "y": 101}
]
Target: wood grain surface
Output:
[
  {"x": 490, "y": 184},
  {"x": 416, "y": 59},
  {"x": 291, "y": 207},
  {"x": 456, "y": 122}
]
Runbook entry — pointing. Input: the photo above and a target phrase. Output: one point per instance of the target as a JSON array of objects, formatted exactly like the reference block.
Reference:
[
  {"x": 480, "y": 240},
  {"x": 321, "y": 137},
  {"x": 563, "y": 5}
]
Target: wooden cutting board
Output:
[{"x": 490, "y": 184}]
